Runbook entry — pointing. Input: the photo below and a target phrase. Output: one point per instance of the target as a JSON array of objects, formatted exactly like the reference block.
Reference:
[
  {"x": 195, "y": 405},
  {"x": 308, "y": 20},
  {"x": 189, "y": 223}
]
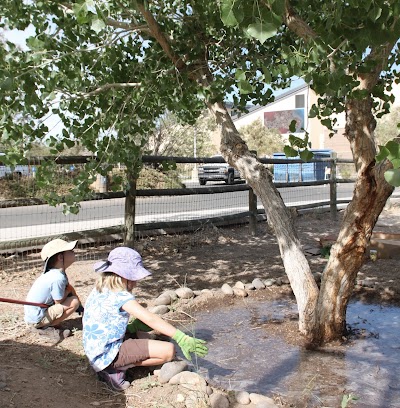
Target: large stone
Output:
[
  {"x": 163, "y": 300},
  {"x": 239, "y": 292},
  {"x": 218, "y": 400},
  {"x": 249, "y": 286},
  {"x": 258, "y": 399},
  {"x": 159, "y": 310},
  {"x": 227, "y": 289},
  {"x": 193, "y": 381},
  {"x": 184, "y": 293},
  {"x": 168, "y": 370},
  {"x": 258, "y": 283},
  {"x": 239, "y": 285},
  {"x": 170, "y": 293},
  {"x": 242, "y": 397}
]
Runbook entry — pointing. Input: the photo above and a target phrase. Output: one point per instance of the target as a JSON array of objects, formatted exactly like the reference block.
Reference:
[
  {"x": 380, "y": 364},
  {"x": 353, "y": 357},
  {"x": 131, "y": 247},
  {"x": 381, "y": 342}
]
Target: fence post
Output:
[
  {"x": 333, "y": 187},
  {"x": 253, "y": 212}
]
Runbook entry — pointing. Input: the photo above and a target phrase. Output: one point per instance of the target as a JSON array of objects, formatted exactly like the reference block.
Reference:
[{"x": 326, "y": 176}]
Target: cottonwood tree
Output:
[{"x": 110, "y": 70}]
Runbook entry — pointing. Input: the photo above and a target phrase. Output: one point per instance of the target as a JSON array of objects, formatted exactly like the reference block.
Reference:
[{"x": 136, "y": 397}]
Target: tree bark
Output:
[
  {"x": 130, "y": 208},
  {"x": 236, "y": 153},
  {"x": 370, "y": 194}
]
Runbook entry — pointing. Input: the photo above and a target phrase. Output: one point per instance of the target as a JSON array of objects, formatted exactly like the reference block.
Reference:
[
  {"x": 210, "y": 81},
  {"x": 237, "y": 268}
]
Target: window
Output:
[{"x": 300, "y": 102}]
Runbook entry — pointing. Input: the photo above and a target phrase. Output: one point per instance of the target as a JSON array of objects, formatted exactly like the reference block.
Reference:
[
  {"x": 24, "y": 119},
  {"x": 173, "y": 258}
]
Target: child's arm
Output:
[
  {"x": 186, "y": 343},
  {"x": 151, "y": 319}
]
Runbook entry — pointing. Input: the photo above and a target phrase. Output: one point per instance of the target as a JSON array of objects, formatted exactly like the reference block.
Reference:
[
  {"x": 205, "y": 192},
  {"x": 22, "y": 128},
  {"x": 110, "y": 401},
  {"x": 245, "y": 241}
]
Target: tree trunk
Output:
[
  {"x": 130, "y": 207},
  {"x": 236, "y": 153},
  {"x": 371, "y": 192}
]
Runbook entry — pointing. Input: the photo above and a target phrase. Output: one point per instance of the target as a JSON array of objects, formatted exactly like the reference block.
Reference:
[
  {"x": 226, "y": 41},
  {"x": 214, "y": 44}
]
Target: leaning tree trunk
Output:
[
  {"x": 370, "y": 194},
  {"x": 236, "y": 153}
]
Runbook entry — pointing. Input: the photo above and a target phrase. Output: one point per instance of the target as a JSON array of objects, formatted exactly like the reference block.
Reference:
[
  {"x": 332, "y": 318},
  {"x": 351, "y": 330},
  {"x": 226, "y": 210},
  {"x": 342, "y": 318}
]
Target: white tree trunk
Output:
[{"x": 236, "y": 153}]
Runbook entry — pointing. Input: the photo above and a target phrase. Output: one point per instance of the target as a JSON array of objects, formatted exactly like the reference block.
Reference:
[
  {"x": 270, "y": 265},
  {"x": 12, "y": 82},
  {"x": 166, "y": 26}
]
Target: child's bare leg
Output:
[
  {"x": 70, "y": 305},
  {"x": 160, "y": 352}
]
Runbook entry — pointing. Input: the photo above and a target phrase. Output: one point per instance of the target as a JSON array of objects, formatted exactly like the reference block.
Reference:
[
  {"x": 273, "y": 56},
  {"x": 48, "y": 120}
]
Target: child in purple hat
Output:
[{"x": 106, "y": 322}]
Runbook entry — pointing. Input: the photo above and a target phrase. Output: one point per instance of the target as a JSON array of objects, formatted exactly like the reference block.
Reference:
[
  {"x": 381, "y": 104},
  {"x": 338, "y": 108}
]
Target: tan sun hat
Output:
[{"x": 55, "y": 247}]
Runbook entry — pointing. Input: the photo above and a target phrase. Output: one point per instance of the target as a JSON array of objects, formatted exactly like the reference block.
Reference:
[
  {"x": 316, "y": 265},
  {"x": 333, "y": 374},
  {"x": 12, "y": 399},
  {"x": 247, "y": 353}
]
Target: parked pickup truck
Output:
[{"x": 217, "y": 172}]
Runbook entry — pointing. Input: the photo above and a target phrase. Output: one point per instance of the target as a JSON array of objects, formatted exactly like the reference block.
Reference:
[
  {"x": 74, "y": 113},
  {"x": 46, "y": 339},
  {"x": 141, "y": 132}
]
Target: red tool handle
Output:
[{"x": 23, "y": 302}]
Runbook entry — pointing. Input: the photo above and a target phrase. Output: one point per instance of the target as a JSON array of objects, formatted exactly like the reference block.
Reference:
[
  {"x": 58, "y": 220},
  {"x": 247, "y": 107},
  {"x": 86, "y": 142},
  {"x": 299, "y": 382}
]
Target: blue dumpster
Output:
[{"x": 296, "y": 172}]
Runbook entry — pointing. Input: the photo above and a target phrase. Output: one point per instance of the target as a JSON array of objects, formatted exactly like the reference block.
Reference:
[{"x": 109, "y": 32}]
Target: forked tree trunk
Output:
[
  {"x": 370, "y": 194},
  {"x": 322, "y": 313},
  {"x": 236, "y": 153}
]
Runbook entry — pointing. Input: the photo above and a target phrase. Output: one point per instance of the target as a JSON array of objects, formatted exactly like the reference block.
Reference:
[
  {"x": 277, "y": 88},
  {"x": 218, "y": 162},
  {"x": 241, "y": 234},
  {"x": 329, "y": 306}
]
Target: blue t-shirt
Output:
[
  {"x": 104, "y": 326},
  {"x": 47, "y": 288}
]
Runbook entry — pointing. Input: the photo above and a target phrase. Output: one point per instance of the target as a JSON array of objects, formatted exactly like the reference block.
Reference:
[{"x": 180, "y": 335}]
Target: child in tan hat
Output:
[{"x": 53, "y": 289}]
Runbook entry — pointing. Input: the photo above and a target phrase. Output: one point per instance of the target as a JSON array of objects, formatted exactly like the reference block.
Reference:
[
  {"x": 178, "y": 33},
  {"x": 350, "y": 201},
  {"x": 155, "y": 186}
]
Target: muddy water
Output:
[{"x": 244, "y": 355}]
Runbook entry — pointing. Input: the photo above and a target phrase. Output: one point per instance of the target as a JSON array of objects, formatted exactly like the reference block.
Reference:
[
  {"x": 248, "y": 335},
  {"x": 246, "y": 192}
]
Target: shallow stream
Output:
[{"x": 244, "y": 355}]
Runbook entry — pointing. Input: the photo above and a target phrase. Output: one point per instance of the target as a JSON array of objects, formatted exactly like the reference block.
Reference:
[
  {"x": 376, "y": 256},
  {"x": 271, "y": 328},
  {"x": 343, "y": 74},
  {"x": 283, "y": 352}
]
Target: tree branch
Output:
[
  {"x": 113, "y": 23},
  {"x": 161, "y": 38}
]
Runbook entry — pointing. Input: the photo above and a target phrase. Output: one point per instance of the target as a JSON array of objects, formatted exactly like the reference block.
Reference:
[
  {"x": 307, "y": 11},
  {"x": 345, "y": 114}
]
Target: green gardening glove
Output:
[
  {"x": 136, "y": 325},
  {"x": 190, "y": 345}
]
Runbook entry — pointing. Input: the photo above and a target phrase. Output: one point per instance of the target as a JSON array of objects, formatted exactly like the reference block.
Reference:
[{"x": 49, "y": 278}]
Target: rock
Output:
[
  {"x": 175, "y": 380},
  {"x": 258, "y": 399},
  {"x": 278, "y": 282},
  {"x": 218, "y": 400},
  {"x": 170, "y": 293},
  {"x": 239, "y": 292},
  {"x": 163, "y": 300},
  {"x": 227, "y": 289},
  {"x": 269, "y": 282},
  {"x": 242, "y": 397},
  {"x": 156, "y": 372},
  {"x": 249, "y": 286},
  {"x": 159, "y": 309},
  {"x": 209, "y": 390},
  {"x": 285, "y": 280},
  {"x": 3, "y": 385},
  {"x": 208, "y": 291},
  {"x": 197, "y": 292},
  {"x": 258, "y": 284},
  {"x": 184, "y": 293},
  {"x": 193, "y": 381},
  {"x": 168, "y": 370},
  {"x": 239, "y": 285}
]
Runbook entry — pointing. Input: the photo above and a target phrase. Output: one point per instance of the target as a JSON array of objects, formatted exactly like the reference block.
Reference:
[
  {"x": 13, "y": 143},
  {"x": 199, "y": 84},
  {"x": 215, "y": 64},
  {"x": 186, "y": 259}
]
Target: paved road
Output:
[{"x": 42, "y": 220}]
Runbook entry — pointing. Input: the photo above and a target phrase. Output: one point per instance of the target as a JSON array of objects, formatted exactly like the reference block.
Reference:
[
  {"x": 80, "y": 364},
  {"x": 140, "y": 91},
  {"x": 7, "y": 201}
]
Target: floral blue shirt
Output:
[{"x": 104, "y": 326}]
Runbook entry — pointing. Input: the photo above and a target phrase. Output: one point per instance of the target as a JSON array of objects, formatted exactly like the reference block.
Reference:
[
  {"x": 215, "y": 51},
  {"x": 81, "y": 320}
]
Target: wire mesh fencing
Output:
[{"x": 169, "y": 199}]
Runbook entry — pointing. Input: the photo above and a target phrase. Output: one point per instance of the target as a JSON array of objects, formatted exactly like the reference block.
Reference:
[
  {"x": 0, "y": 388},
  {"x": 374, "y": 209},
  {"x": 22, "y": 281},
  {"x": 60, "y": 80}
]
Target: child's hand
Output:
[
  {"x": 190, "y": 345},
  {"x": 136, "y": 325}
]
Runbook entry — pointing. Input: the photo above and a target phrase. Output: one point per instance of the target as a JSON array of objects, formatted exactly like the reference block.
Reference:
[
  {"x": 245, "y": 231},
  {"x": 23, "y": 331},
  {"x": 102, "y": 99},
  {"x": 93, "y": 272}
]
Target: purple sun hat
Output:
[{"x": 124, "y": 262}]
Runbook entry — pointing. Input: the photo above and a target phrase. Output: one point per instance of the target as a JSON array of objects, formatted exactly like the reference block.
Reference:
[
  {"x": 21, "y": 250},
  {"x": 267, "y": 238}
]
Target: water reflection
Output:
[{"x": 244, "y": 355}]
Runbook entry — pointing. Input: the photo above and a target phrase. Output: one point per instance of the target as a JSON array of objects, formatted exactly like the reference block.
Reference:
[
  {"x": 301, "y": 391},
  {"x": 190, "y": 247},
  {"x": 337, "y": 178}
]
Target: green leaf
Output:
[
  {"x": 290, "y": 152},
  {"x": 97, "y": 25},
  {"x": 227, "y": 14},
  {"x": 383, "y": 153},
  {"x": 292, "y": 126},
  {"x": 261, "y": 31},
  {"x": 245, "y": 87},
  {"x": 392, "y": 176},
  {"x": 240, "y": 75},
  {"x": 306, "y": 155}
]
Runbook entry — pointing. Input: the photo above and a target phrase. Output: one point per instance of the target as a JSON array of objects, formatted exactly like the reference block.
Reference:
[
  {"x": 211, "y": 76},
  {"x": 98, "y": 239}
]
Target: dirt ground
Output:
[{"x": 37, "y": 373}]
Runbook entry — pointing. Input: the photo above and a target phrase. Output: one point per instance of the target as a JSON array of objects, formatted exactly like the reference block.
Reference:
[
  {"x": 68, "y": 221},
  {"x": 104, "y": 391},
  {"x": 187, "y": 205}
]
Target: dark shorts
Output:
[{"x": 132, "y": 351}]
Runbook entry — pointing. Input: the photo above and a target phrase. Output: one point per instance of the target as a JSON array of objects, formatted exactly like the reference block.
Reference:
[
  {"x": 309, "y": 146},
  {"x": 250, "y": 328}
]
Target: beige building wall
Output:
[{"x": 319, "y": 135}]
